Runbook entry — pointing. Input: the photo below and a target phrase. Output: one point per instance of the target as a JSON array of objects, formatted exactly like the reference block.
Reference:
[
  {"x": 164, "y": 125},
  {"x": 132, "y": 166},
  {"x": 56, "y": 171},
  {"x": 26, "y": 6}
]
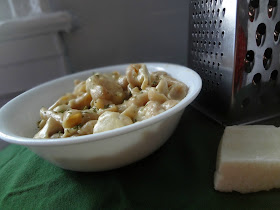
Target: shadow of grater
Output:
[{"x": 235, "y": 48}]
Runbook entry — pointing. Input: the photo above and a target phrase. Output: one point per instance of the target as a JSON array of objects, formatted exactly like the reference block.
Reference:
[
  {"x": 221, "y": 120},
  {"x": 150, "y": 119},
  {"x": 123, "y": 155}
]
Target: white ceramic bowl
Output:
[{"x": 95, "y": 152}]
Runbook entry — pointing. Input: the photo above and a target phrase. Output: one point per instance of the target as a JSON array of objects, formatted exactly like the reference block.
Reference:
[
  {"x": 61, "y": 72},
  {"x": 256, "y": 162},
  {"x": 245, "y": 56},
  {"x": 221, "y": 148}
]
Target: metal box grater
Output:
[{"x": 235, "y": 48}]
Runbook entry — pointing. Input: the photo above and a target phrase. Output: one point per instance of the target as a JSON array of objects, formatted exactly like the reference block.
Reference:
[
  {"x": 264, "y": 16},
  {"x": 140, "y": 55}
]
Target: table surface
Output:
[{"x": 177, "y": 176}]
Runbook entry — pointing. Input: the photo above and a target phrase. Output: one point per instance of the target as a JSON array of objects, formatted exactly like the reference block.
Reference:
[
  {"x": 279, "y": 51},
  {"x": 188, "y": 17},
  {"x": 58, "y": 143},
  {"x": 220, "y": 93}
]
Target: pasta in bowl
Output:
[
  {"x": 106, "y": 101},
  {"x": 141, "y": 132}
]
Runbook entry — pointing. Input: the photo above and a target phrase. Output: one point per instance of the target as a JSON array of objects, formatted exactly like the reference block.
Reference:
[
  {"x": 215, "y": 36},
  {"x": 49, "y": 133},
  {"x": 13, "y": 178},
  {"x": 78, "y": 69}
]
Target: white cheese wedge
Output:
[{"x": 248, "y": 159}]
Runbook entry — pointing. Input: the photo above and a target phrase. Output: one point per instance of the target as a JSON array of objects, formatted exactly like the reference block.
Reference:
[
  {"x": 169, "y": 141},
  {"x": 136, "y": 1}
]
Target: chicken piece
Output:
[
  {"x": 138, "y": 76},
  {"x": 102, "y": 86},
  {"x": 152, "y": 108},
  {"x": 111, "y": 120},
  {"x": 87, "y": 128},
  {"x": 51, "y": 127}
]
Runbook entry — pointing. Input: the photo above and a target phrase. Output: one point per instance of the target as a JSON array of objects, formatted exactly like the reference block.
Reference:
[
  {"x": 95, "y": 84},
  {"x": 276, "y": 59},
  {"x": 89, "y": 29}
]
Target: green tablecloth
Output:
[{"x": 177, "y": 176}]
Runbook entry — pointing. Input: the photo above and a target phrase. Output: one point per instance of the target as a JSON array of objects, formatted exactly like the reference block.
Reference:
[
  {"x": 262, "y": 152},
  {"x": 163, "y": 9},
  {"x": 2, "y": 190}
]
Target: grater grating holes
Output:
[
  {"x": 257, "y": 85},
  {"x": 272, "y": 4},
  {"x": 260, "y": 34},
  {"x": 257, "y": 79},
  {"x": 253, "y": 6},
  {"x": 207, "y": 20},
  {"x": 254, "y": 3},
  {"x": 277, "y": 32},
  {"x": 274, "y": 75},
  {"x": 249, "y": 61},
  {"x": 267, "y": 58}
]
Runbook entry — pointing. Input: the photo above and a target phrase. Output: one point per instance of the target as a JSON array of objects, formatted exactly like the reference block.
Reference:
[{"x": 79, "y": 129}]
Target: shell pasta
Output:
[{"x": 106, "y": 101}]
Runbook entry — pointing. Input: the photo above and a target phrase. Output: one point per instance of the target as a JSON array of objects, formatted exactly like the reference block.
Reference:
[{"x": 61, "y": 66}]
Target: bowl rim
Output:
[{"x": 15, "y": 139}]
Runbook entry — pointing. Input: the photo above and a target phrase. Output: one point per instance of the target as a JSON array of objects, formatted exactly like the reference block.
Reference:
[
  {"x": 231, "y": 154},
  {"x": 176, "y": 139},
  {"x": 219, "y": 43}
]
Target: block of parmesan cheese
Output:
[{"x": 248, "y": 159}]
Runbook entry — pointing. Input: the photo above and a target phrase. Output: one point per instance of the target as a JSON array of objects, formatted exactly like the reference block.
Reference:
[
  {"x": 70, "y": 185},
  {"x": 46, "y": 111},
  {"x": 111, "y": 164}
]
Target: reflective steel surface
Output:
[{"x": 235, "y": 49}]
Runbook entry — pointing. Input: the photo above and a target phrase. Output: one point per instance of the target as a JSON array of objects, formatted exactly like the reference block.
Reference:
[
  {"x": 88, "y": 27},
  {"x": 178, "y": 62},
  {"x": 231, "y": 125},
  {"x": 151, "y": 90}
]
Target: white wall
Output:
[
  {"x": 5, "y": 12},
  {"x": 122, "y": 31}
]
